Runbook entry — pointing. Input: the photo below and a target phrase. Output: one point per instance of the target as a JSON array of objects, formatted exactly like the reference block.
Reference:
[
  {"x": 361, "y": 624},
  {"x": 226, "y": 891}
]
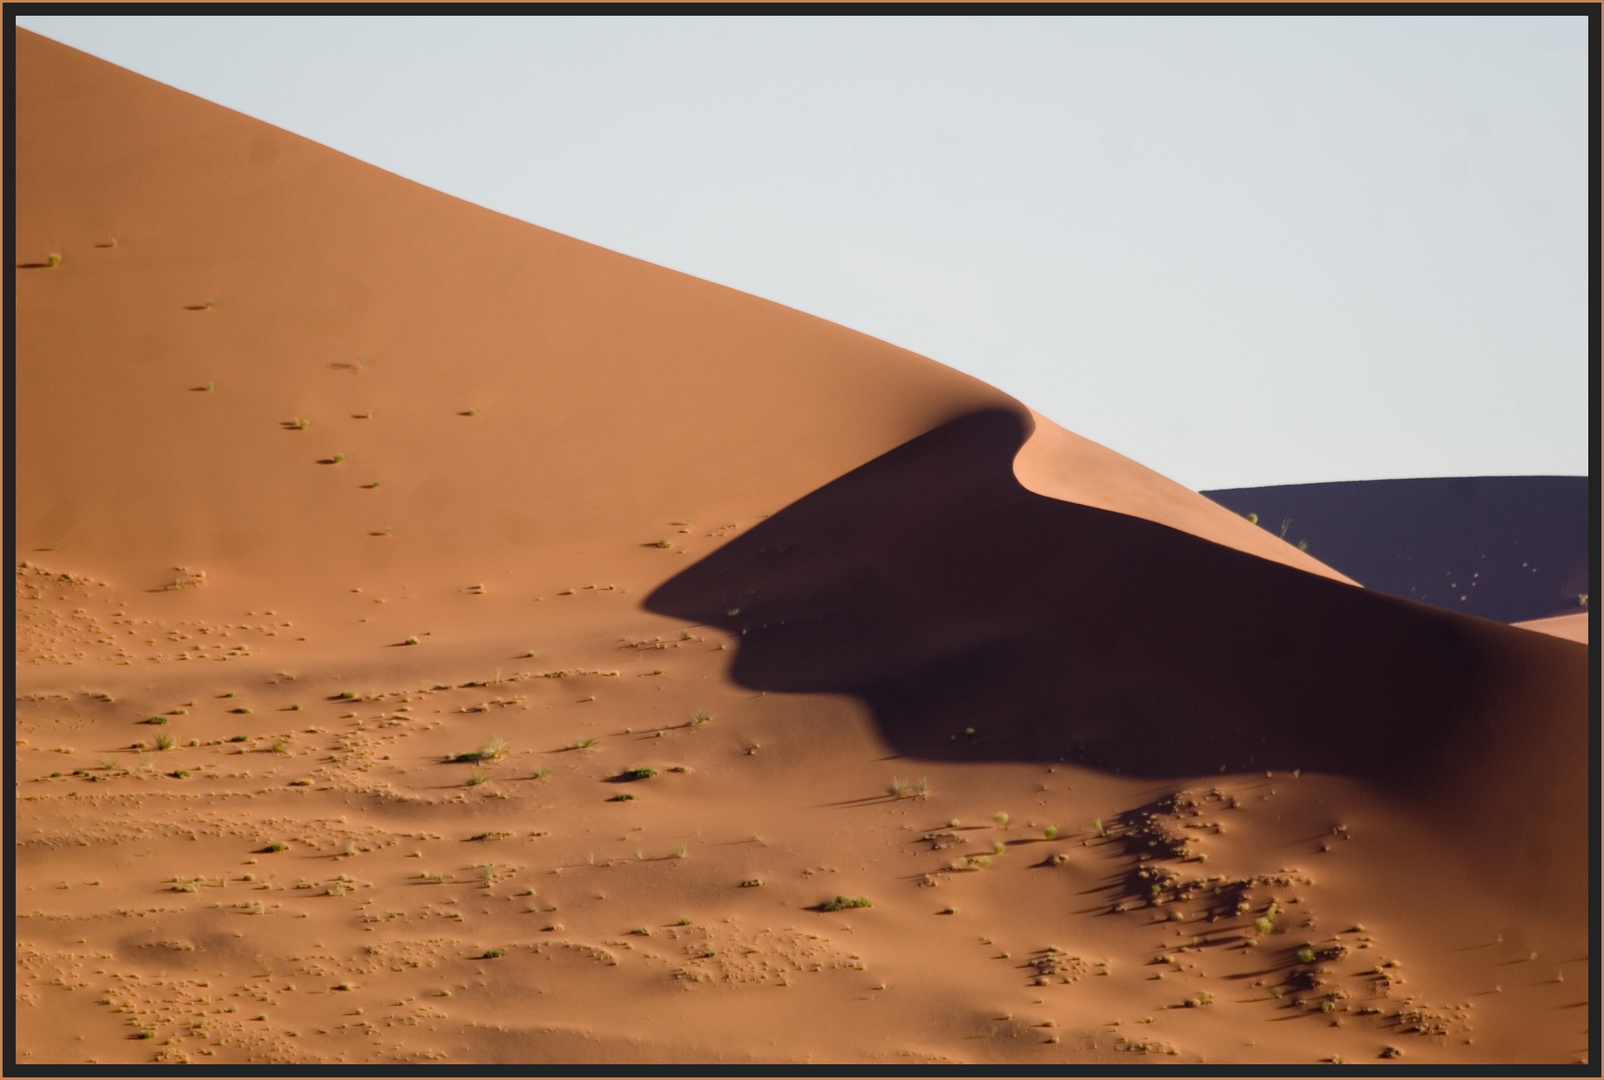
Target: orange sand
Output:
[
  {"x": 1570, "y": 627},
  {"x": 420, "y": 526}
]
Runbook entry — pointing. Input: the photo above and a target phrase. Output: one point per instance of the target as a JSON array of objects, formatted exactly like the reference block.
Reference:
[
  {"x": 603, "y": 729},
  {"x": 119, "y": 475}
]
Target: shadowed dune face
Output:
[{"x": 982, "y": 621}]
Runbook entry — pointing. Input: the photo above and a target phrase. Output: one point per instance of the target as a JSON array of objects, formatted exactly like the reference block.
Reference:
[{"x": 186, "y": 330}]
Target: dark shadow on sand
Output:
[{"x": 929, "y": 583}]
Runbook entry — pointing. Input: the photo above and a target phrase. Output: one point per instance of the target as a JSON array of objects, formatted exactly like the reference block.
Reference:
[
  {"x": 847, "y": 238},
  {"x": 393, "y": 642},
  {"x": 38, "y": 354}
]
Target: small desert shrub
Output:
[
  {"x": 494, "y": 954},
  {"x": 300, "y": 425},
  {"x": 347, "y": 695},
  {"x": 107, "y": 763},
  {"x": 54, "y": 259},
  {"x": 662, "y": 543},
  {"x": 898, "y": 788},
  {"x": 921, "y": 790},
  {"x": 582, "y": 744},
  {"x": 681, "y": 851},
  {"x": 281, "y": 745},
  {"x": 479, "y": 777},
  {"x": 540, "y": 774},
  {"x": 165, "y": 741},
  {"x": 1050, "y": 832},
  {"x": 142, "y": 1033},
  {"x": 998, "y": 848},
  {"x": 642, "y": 773},
  {"x": 437, "y": 877},
  {"x": 239, "y": 738},
  {"x": 1253, "y": 519},
  {"x": 157, "y": 720},
  {"x": 1264, "y": 924},
  {"x": 277, "y": 846},
  {"x": 684, "y": 920},
  {"x": 241, "y": 709},
  {"x": 1306, "y": 955},
  {"x": 337, "y": 458},
  {"x": 1000, "y": 817},
  {"x": 179, "y": 774},
  {"x": 495, "y": 748},
  {"x": 841, "y": 903},
  {"x": 625, "y": 797},
  {"x": 700, "y": 717},
  {"x": 410, "y": 641}
]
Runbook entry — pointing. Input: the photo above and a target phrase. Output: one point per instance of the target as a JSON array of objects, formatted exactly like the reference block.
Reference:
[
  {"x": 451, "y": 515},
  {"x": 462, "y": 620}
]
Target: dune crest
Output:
[{"x": 1063, "y": 465}]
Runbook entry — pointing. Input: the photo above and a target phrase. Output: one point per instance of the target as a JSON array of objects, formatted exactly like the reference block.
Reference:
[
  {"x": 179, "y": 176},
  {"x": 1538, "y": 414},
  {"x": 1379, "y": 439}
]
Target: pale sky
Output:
[{"x": 1241, "y": 250}]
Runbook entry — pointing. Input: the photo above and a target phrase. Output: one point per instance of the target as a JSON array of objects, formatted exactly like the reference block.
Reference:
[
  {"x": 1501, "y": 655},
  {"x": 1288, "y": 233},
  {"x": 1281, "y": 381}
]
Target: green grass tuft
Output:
[{"x": 841, "y": 903}]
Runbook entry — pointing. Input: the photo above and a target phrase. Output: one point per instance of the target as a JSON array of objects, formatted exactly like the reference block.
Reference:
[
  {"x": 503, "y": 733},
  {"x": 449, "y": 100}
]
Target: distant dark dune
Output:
[{"x": 1506, "y": 548}]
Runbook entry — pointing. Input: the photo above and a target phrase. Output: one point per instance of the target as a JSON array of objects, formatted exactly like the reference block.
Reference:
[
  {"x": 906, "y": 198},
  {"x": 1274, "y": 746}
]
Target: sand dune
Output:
[
  {"x": 1570, "y": 627},
  {"x": 444, "y": 641},
  {"x": 1508, "y": 548}
]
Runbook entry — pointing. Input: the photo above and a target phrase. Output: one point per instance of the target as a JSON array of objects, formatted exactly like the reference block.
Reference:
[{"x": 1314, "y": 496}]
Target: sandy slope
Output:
[
  {"x": 1144, "y": 753},
  {"x": 1570, "y": 627}
]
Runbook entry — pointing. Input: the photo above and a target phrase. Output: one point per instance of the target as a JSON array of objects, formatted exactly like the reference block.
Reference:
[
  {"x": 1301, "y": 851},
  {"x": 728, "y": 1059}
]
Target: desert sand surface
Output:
[
  {"x": 1570, "y": 627},
  {"x": 440, "y": 640},
  {"x": 1507, "y": 548}
]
